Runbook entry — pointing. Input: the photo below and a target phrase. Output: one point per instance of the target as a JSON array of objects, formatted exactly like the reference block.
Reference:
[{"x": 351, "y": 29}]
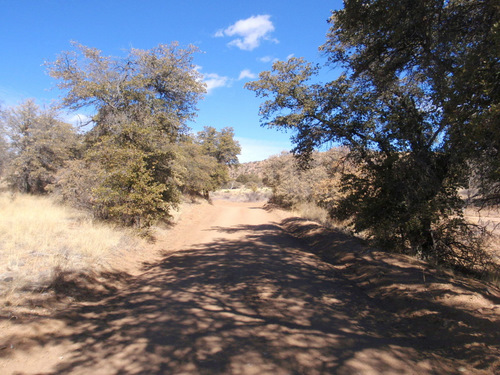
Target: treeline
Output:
[
  {"x": 293, "y": 186},
  {"x": 138, "y": 156},
  {"x": 417, "y": 106}
]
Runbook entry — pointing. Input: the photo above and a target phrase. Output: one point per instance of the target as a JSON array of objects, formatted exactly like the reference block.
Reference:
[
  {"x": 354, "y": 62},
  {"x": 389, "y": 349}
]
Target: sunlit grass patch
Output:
[
  {"x": 311, "y": 211},
  {"x": 488, "y": 218},
  {"x": 39, "y": 239},
  {"x": 243, "y": 194}
]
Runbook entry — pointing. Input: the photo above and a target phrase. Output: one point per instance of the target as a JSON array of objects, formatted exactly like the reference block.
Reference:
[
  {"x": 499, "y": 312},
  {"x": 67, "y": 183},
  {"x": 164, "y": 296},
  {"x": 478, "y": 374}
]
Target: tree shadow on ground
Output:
[
  {"x": 414, "y": 294},
  {"x": 264, "y": 304}
]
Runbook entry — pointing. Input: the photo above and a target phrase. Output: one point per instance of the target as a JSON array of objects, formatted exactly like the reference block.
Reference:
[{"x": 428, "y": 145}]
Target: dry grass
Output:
[
  {"x": 40, "y": 239},
  {"x": 312, "y": 212},
  {"x": 243, "y": 195},
  {"x": 488, "y": 218}
]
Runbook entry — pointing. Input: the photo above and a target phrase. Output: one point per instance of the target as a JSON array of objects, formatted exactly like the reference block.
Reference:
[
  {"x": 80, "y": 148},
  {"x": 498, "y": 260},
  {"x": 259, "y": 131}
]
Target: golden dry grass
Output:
[
  {"x": 39, "y": 239},
  {"x": 488, "y": 218},
  {"x": 243, "y": 194},
  {"x": 311, "y": 211}
]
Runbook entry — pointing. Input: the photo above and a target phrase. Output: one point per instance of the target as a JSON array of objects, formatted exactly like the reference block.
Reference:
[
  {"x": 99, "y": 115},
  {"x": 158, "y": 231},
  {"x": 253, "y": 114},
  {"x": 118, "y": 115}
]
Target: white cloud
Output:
[
  {"x": 213, "y": 80},
  {"x": 251, "y": 32},
  {"x": 80, "y": 121},
  {"x": 267, "y": 59},
  {"x": 246, "y": 73}
]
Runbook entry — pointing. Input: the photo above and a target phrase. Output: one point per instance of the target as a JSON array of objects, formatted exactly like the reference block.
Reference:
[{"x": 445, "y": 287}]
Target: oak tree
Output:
[
  {"x": 223, "y": 148},
  {"x": 416, "y": 103},
  {"x": 220, "y": 144},
  {"x": 142, "y": 103},
  {"x": 156, "y": 89}
]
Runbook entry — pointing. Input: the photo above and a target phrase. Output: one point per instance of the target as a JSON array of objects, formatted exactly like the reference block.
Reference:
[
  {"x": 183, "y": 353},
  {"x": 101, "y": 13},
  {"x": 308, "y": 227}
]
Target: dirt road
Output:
[{"x": 233, "y": 293}]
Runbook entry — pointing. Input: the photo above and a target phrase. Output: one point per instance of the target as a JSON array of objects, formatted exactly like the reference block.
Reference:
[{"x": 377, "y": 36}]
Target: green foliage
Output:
[
  {"x": 198, "y": 171},
  {"x": 39, "y": 144},
  {"x": 119, "y": 184},
  {"x": 156, "y": 88},
  {"x": 220, "y": 145},
  {"x": 451, "y": 50},
  {"x": 216, "y": 152},
  {"x": 486, "y": 161},
  {"x": 397, "y": 199},
  {"x": 128, "y": 192},
  {"x": 139, "y": 153},
  {"x": 416, "y": 104},
  {"x": 74, "y": 184},
  {"x": 142, "y": 104}
]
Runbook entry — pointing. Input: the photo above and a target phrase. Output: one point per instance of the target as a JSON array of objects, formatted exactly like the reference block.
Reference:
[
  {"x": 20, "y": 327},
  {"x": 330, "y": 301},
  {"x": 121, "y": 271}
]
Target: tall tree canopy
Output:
[
  {"x": 157, "y": 88},
  {"x": 417, "y": 105},
  {"x": 450, "y": 49},
  {"x": 220, "y": 144},
  {"x": 142, "y": 104},
  {"x": 209, "y": 155}
]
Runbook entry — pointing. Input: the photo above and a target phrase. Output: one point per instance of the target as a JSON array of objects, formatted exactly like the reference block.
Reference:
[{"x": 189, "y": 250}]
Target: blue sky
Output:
[{"x": 238, "y": 39}]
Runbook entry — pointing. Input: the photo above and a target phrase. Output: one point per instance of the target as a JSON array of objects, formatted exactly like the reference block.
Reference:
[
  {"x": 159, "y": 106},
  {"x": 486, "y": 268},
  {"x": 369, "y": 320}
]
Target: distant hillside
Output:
[
  {"x": 250, "y": 168},
  {"x": 260, "y": 168}
]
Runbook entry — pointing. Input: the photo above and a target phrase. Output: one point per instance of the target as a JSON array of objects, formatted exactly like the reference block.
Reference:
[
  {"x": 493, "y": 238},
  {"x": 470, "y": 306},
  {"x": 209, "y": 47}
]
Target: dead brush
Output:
[{"x": 243, "y": 194}]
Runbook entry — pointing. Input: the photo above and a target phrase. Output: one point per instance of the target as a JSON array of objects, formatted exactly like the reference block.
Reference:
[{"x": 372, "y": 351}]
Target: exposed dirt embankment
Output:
[{"x": 461, "y": 312}]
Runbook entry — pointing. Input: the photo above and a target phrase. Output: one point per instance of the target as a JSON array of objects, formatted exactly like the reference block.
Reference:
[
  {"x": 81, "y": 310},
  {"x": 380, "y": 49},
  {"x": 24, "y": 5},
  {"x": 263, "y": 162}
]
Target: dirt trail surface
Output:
[{"x": 239, "y": 289}]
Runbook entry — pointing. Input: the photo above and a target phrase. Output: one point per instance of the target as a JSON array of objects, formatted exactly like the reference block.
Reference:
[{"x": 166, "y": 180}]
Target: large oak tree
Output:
[
  {"x": 418, "y": 106},
  {"x": 141, "y": 103}
]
